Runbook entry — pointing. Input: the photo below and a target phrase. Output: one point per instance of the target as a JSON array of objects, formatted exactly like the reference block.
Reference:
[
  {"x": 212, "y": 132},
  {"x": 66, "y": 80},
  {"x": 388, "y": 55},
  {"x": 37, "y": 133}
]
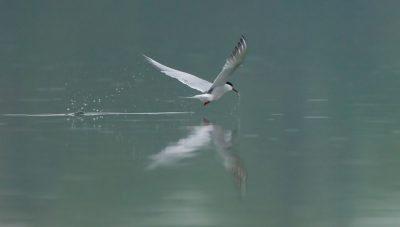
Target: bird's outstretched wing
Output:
[
  {"x": 234, "y": 61},
  {"x": 186, "y": 78}
]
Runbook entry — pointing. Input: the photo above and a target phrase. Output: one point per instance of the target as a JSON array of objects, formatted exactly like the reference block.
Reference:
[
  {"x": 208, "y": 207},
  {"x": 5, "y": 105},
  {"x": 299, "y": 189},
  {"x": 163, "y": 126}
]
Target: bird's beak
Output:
[{"x": 233, "y": 89}]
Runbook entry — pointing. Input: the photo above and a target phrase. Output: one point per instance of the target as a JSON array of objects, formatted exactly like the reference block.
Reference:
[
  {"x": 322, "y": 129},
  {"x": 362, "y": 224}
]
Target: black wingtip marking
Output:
[{"x": 240, "y": 46}]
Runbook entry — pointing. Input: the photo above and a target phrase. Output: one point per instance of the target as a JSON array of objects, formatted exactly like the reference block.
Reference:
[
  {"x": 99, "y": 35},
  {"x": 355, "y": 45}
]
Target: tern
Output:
[{"x": 211, "y": 91}]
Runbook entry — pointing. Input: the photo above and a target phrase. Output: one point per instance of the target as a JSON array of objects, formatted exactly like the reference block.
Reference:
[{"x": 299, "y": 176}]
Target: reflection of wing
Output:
[
  {"x": 199, "y": 137},
  {"x": 233, "y": 163},
  {"x": 184, "y": 148}
]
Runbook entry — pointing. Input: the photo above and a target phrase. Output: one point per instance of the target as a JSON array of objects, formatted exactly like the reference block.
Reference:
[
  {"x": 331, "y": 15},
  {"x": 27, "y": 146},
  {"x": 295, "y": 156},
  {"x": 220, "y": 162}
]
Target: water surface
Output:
[{"x": 314, "y": 141}]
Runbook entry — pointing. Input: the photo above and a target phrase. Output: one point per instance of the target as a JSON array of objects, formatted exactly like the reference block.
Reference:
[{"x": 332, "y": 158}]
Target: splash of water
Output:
[{"x": 234, "y": 108}]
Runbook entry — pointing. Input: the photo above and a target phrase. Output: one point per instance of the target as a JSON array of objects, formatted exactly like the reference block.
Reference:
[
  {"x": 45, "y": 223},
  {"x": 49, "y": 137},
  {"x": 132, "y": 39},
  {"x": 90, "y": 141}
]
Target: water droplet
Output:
[{"x": 234, "y": 108}]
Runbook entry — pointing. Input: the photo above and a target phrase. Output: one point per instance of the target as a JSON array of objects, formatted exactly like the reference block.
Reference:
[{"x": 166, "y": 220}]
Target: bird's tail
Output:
[
  {"x": 192, "y": 97},
  {"x": 201, "y": 97}
]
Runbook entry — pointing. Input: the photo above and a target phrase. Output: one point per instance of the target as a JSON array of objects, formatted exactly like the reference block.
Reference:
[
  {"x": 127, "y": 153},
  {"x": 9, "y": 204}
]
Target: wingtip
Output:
[
  {"x": 147, "y": 58},
  {"x": 240, "y": 47}
]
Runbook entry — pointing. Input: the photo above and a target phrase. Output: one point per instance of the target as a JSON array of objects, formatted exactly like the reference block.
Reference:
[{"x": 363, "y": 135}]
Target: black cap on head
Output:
[{"x": 229, "y": 83}]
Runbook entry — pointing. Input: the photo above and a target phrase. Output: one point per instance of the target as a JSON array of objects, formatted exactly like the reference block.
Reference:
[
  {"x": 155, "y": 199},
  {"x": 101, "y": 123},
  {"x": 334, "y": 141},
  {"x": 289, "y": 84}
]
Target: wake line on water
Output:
[{"x": 92, "y": 114}]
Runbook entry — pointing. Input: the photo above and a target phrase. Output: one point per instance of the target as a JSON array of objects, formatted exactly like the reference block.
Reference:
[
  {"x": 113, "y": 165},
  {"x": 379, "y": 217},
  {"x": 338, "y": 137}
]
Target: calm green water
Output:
[{"x": 312, "y": 140}]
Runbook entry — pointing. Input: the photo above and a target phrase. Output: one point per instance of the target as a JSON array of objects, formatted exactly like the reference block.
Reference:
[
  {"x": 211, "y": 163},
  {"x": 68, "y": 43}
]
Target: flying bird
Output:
[{"x": 211, "y": 91}]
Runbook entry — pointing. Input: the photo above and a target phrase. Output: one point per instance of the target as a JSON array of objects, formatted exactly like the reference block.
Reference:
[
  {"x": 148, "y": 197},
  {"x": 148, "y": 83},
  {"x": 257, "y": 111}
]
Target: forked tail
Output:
[
  {"x": 201, "y": 97},
  {"x": 188, "y": 97}
]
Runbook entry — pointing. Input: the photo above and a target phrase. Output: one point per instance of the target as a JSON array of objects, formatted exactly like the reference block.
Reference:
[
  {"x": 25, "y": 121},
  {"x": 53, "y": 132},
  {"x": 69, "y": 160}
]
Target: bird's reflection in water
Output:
[
  {"x": 201, "y": 136},
  {"x": 222, "y": 140}
]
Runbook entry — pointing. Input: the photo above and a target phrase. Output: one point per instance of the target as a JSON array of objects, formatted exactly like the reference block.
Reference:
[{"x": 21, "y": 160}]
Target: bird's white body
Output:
[
  {"x": 211, "y": 91},
  {"x": 215, "y": 94}
]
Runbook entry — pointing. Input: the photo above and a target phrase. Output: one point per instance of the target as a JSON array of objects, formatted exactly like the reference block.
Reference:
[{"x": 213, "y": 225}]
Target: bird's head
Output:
[{"x": 231, "y": 87}]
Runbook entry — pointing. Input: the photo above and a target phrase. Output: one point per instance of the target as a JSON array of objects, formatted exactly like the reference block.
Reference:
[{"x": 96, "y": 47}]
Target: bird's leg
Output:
[{"x": 206, "y": 103}]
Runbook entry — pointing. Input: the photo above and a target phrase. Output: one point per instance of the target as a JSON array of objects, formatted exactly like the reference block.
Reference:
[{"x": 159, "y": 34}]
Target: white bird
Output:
[{"x": 211, "y": 91}]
